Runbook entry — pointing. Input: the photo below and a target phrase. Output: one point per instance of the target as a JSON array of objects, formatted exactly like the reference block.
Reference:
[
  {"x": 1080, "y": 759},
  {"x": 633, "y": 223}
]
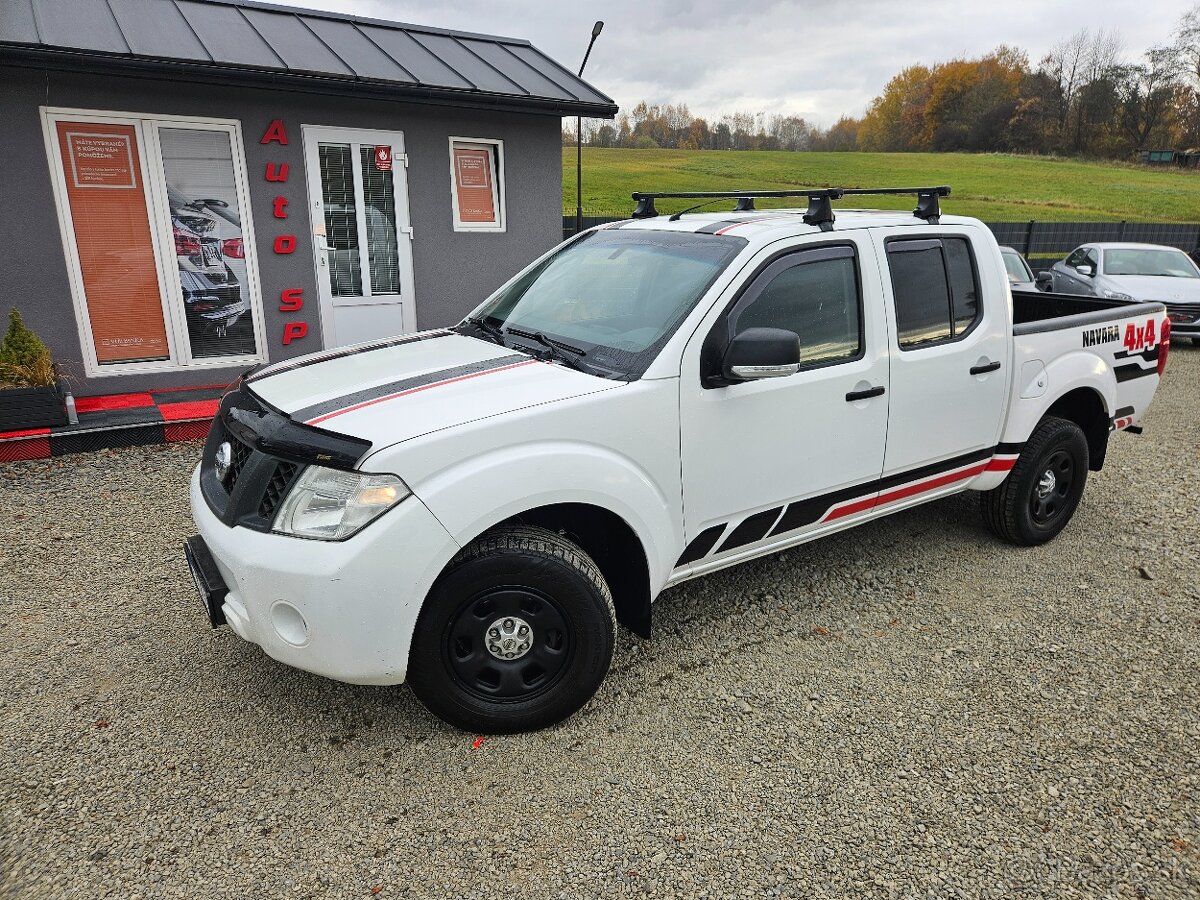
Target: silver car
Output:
[
  {"x": 1133, "y": 273},
  {"x": 1020, "y": 276}
]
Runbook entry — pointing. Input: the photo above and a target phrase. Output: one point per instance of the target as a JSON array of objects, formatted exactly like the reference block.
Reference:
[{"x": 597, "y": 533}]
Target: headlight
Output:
[
  {"x": 1116, "y": 295},
  {"x": 330, "y": 505}
]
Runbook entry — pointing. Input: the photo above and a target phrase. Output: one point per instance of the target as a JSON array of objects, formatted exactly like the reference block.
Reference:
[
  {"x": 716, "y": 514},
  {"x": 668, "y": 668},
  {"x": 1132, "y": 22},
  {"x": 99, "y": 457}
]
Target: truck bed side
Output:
[{"x": 1088, "y": 359}]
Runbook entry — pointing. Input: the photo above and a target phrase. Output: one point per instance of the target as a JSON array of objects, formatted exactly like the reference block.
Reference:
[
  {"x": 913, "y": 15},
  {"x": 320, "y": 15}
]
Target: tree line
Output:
[{"x": 1084, "y": 97}]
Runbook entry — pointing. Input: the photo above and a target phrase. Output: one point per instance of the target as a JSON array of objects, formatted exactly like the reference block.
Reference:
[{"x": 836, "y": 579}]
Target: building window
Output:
[
  {"x": 477, "y": 184},
  {"x": 154, "y": 214}
]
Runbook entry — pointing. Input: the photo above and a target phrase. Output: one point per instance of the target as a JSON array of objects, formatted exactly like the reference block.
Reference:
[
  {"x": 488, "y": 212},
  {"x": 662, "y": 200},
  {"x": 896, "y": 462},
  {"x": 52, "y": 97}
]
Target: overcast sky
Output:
[{"x": 815, "y": 59}]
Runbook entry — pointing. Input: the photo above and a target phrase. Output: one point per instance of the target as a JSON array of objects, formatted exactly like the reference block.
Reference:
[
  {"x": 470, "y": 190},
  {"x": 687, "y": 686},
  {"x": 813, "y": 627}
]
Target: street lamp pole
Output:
[{"x": 596, "y": 29}]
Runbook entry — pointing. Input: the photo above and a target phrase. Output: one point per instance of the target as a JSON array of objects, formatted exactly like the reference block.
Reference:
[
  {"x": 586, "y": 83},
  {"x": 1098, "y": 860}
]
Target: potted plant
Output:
[{"x": 30, "y": 395}]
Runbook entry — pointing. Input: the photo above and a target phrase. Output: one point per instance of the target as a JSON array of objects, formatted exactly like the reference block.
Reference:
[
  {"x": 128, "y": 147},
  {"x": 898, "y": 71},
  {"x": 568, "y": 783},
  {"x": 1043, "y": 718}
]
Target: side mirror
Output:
[
  {"x": 761, "y": 353},
  {"x": 1084, "y": 270},
  {"x": 1044, "y": 281}
]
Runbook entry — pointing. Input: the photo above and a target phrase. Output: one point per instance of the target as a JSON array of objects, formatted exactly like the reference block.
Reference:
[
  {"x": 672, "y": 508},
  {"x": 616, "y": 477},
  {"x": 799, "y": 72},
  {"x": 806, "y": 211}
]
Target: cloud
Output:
[{"x": 816, "y": 59}]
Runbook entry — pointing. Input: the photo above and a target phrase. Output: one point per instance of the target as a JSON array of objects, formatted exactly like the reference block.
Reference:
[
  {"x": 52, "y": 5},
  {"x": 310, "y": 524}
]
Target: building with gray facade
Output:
[{"x": 192, "y": 187}]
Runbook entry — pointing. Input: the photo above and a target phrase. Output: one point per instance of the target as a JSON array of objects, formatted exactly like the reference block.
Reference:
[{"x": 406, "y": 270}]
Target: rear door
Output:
[
  {"x": 950, "y": 349},
  {"x": 767, "y": 460}
]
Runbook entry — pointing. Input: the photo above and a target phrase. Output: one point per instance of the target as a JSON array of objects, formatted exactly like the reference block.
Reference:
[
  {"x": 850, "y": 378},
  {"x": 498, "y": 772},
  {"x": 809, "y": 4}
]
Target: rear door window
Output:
[{"x": 936, "y": 289}]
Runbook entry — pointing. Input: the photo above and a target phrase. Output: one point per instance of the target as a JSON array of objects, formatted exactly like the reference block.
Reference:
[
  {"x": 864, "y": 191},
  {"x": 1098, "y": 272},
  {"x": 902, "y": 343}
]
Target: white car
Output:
[
  {"x": 470, "y": 509},
  {"x": 1133, "y": 273}
]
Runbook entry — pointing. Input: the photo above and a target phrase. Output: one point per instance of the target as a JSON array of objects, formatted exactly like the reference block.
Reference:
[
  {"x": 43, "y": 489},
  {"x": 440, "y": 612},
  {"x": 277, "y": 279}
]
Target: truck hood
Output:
[
  {"x": 390, "y": 391},
  {"x": 1160, "y": 289}
]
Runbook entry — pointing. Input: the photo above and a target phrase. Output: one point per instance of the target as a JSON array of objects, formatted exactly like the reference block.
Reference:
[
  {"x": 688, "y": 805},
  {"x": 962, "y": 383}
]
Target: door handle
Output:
[
  {"x": 985, "y": 368},
  {"x": 865, "y": 395}
]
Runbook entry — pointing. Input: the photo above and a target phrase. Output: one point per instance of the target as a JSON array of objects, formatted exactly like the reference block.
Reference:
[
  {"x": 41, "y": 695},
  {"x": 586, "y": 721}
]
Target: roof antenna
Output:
[{"x": 744, "y": 204}]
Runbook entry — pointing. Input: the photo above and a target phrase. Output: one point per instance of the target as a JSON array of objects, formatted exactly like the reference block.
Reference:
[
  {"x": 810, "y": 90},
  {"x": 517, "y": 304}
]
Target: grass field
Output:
[{"x": 993, "y": 187}]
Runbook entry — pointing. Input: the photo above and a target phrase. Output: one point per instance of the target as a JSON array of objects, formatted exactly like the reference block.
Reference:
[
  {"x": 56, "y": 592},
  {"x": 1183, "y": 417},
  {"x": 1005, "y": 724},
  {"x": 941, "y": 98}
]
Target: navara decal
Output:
[{"x": 1105, "y": 335}]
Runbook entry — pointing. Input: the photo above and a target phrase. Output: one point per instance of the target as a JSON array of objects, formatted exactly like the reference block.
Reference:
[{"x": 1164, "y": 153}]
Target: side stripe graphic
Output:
[
  {"x": 1133, "y": 370},
  {"x": 852, "y": 500},
  {"x": 319, "y": 412},
  {"x": 279, "y": 368}
]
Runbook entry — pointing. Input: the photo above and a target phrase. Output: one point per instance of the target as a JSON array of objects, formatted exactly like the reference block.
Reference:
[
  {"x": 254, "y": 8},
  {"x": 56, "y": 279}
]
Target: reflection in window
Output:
[
  {"x": 936, "y": 291},
  {"x": 379, "y": 199},
  {"x": 206, "y": 227},
  {"x": 819, "y": 302},
  {"x": 341, "y": 221}
]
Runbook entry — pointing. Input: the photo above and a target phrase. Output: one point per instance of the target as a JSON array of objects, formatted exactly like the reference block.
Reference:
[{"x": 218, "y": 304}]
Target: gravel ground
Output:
[{"x": 907, "y": 710}]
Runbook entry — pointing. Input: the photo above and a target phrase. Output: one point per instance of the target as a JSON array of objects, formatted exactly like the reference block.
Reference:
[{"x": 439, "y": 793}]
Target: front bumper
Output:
[{"x": 345, "y": 610}]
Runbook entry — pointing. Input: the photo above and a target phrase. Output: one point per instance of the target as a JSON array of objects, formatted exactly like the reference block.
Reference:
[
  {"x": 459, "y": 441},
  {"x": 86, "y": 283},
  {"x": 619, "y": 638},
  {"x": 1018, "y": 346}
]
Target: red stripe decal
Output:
[
  {"x": 424, "y": 387},
  {"x": 910, "y": 490},
  {"x": 729, "y": 228},
  {"x": 1001, "y": 465}
]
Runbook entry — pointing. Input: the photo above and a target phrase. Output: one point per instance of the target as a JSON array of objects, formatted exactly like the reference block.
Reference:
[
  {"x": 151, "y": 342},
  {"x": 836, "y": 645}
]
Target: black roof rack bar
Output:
[
  {"x": 928, "y": 207},
  {"x": 820, "y": 208}
]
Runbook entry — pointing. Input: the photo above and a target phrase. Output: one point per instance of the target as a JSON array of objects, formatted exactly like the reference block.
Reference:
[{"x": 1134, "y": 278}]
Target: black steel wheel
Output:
[
  {"x": 516, "y": 635},
  {"x": 1040, "y": 495},
  {"x": 508, "y": 643}
]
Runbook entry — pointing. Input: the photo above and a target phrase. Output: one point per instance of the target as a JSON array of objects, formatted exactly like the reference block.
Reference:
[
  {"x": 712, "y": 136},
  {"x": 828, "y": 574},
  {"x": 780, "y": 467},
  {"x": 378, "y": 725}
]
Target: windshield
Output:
[
  {"x": 616, "y": 295},
  {"x": 1017, "y": 269},
  {"x": 1165, "y": 263}
]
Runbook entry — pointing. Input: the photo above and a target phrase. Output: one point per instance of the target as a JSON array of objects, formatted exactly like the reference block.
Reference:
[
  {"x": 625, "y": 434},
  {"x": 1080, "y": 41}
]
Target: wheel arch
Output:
[
  {"x": 1086, "y": 407},
  {"x": 612, "y": 544}
]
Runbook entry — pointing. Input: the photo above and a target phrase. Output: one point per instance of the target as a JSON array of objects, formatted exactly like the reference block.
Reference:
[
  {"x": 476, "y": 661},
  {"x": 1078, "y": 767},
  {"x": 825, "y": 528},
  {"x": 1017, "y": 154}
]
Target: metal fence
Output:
[{"x": 1042, "y": 243}]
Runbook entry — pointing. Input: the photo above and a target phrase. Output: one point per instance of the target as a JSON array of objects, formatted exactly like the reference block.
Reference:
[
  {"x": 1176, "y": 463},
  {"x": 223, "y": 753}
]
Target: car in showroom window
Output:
[{"x": 607, "y": 302}]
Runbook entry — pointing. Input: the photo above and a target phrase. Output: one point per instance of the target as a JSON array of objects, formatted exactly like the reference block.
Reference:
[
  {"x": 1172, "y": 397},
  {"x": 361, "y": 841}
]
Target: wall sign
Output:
[
  {"x": 383, "y": 158},
  {"x": 476, "y": 168},
  {"x": 101, "y": 160},
  {"x": 291, "y": 300}
]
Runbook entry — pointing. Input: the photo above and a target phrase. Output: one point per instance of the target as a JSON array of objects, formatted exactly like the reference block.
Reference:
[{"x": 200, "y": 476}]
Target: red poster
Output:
[
  {"x": 383, "y": 158},
  {"x": 112, "y": 237},
  {"x": 473, "y": 179}
]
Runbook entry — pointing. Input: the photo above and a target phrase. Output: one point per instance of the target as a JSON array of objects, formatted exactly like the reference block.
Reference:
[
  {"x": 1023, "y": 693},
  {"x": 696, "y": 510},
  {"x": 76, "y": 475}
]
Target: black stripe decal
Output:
[
  {"x": 801, "y": 513},
  {"x": 1128, "y": 373},
  {"x": 1123, "y": 412},
  {"x": 714, "y": 227},
  {"x": 700, "y": 545},
  {"x": 754, "y": 528},
  {"x": 1149, "y": 355},
  {"x": 326, "y": 407},
  {"x": 342, "y": 352}
]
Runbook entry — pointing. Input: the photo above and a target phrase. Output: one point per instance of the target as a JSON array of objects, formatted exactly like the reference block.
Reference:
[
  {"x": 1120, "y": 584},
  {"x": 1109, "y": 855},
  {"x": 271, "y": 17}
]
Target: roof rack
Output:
[{"x": 820, "y": 200}]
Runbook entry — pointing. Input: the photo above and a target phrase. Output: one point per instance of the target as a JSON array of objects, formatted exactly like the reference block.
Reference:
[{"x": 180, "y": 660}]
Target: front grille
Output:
[
  {"x": 250, "y": 493},
  {"x": 1183, "y": 315},
  {"x": 277, "y": 488},
  {"x": 241, "y": 453}
]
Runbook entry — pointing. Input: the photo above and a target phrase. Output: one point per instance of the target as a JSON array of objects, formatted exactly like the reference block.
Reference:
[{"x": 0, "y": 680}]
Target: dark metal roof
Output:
[{"x": 249, "y": 41}]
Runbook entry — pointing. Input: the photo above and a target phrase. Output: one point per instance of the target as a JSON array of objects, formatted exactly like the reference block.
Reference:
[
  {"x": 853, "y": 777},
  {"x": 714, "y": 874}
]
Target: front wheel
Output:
[
  {"x": 1040, "y": 495},
  {"x": 516, "y": 635}
]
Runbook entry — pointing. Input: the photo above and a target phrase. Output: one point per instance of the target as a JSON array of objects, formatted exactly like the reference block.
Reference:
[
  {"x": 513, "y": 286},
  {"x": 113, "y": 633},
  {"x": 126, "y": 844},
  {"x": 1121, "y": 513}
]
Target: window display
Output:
[{"x": 152, "y": 209}]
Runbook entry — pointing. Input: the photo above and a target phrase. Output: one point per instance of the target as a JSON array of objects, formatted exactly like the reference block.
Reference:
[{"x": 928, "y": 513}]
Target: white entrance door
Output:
[{"x": 362, "y": 234}]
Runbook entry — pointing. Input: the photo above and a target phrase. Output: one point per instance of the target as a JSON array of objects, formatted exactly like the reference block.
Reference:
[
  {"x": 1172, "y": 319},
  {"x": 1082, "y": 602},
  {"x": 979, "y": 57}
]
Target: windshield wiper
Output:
[
  {"x": 554, "y": 349},
  {"x": 495, "y": 332}
]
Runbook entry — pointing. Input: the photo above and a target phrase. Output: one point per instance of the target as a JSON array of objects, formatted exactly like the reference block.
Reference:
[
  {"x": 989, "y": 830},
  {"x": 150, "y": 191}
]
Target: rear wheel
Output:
[
  {"x": 1040, "y": 495},
  {"x": 516, "y": 635}
]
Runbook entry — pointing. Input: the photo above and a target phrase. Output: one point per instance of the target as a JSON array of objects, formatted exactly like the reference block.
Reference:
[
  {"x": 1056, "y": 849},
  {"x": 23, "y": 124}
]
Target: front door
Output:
[
  {"x": 771, "y": 460},
  {"x": 362, "y": 235}
]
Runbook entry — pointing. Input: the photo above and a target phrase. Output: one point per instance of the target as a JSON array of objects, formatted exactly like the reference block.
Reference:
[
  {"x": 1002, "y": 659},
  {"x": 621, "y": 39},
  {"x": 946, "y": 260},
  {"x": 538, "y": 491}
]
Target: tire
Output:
[
  {"x": 1196, "y": 342},
  {"x": 1040, "y": 495},
  {"x": 475, "y": 666}
]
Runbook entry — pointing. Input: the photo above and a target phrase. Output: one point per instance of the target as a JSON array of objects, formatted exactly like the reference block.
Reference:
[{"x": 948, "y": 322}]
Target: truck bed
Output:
[{"x": 1037, "y": 311}]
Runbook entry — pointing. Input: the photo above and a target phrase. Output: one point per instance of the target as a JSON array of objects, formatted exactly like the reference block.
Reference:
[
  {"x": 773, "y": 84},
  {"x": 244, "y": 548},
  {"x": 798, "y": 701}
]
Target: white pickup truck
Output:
[{"x": 472, "y": 509}]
